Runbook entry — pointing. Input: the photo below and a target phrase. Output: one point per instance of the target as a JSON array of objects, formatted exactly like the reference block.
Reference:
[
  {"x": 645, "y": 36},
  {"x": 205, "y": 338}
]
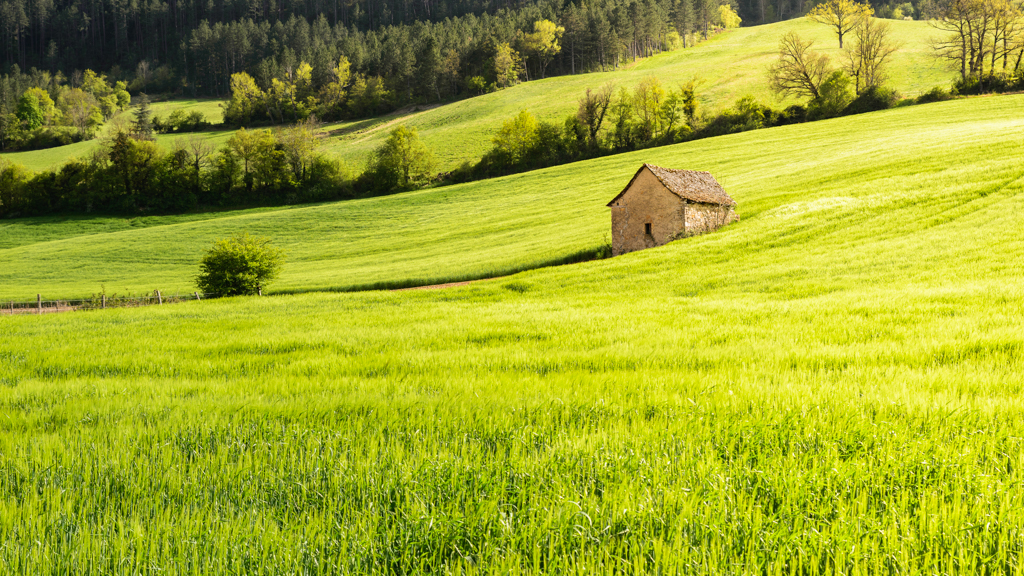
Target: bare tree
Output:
[
  {"x": 872, "y": 49},
  {"x": 842, "y": 15},
  {"x": 592, "y": 109},
  {"x": 979, "y": 32},
  {"x": 199, "y": 151},
  {"x": 799, "y": 71}
]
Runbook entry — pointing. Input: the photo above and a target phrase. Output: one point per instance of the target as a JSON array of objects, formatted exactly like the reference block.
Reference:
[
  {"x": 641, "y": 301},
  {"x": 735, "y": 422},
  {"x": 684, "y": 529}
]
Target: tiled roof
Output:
[{"x": 687, "y": 184}]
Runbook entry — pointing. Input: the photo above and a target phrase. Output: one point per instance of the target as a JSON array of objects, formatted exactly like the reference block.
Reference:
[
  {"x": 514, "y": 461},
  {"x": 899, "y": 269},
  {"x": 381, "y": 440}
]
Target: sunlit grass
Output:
[{"x": 832, "y": 385}]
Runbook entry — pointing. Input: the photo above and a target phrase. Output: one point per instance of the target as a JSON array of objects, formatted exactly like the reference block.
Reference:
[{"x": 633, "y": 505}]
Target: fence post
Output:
[
  {"x": 159, "y": 298},
  {"x": 103, "y": 301},
  {"x": 197, "y": 295},
  {"x": 39, "y": 303}
]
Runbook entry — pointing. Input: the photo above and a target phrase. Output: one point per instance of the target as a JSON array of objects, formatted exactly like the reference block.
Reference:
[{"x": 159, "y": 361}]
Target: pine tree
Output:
[{"x": 142, "y": 125}]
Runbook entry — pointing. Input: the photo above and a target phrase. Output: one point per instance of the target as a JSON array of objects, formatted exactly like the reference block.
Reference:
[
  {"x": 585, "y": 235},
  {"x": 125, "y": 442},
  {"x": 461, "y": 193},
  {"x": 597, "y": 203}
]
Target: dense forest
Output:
[{"x": 195, "y": 46}]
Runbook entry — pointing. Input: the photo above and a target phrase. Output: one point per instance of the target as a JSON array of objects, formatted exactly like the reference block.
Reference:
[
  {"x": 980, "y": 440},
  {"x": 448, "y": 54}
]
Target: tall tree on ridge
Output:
[{"x": 842, "y": 15}]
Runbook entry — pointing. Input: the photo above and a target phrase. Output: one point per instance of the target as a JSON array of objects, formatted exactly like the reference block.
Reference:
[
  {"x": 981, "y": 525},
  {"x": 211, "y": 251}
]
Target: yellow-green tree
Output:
[
  {"x": 81, "y": 110},
  {"x": 246, "y": 100},
  {"x": 842, "y": 15},
  {"x": 728, "y": 17},
  {"x": 300, "y": 144},
  {"x": 251, "y": 149},
  {"x": 507, "y": 65},
  {"x": 51, "y": 115},
  {"x": 517, "y": 138},
  {"x": 543, "y": 43},
  {"x": 648, "y": 98},
  {"x": 333, "y": 94}
]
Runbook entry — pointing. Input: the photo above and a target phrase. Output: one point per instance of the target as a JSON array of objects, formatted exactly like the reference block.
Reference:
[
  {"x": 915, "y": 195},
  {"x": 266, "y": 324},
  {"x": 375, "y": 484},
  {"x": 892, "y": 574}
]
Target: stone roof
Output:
[{"x": 687, "y": 184}]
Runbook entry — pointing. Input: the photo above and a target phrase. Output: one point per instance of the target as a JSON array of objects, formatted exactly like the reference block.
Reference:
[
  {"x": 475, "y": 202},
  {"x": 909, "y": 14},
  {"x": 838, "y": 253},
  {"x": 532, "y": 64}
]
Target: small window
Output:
[{"x": 647, "y": 228}]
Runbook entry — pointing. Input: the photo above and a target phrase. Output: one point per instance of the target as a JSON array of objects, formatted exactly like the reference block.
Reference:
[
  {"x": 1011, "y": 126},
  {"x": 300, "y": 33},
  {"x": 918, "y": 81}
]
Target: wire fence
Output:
[{"x": 98, "y": 302}]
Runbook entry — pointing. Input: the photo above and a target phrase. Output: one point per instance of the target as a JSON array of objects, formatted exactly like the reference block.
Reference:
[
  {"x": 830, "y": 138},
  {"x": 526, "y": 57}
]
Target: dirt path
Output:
[{"x": 400, "y": 116}]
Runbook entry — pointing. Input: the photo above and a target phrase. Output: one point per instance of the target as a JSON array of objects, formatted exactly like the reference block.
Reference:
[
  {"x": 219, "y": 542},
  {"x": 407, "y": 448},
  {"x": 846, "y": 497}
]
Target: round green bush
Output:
[{"x": 238, "y": 266}]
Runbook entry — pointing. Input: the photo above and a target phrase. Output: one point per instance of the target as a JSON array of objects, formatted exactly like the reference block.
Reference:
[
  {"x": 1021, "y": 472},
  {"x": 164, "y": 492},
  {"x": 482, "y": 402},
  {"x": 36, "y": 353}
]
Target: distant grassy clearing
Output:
[{"x": 212, "y": 109}]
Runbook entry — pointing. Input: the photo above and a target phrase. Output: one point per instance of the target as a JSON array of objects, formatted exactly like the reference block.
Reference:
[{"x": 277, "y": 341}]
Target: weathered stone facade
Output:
[{"x": 660, "y": 205}]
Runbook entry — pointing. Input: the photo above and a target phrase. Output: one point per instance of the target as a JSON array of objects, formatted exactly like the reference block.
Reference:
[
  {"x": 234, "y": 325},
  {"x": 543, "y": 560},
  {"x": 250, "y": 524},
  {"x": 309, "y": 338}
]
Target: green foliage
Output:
[
  {"x": 507, "y": 65},
  {"x": 29, "y": 111},
  {"x": 246, "y": 100},
  {"x": 476, "y": 84},
  {"x": 142, "y": 123},
  {"x": 138, "y": 176},
  {"x": 240, "y": 266},
  {"x": 42, "y": 111},
  {"x": 542, "y": 44},
  {"x": 516, "y": 140},
  {"x": 134, "y": 164},
  {"x": 873, "y": 99},
  {"x": 728, "y": 17},
  {"x": 936, "y": 94},
  {"x": 181, "y": 121},
  {"x": 835, "y": 94},
  {"x": 402, "y": 161},
  {"x": 12, "y": 183}
]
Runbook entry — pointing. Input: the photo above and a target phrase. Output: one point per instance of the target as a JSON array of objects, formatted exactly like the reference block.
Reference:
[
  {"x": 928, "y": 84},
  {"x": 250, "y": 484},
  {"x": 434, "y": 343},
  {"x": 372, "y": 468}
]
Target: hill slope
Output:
[
  {"x": 731, "y": 65},
  {"x": 882, "y": 163},
  {"x": 834, "y": 384}
]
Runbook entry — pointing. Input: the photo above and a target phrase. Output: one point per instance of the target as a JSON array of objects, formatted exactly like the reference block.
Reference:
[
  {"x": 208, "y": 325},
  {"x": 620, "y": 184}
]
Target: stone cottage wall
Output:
[
  {"x": 702, "y": 218},
  {"x": 646, "y": 202}
]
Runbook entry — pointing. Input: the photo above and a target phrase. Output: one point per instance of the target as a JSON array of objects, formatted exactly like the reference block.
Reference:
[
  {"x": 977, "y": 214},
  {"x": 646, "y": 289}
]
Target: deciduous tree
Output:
[
  {"x": 867, "y": 58},
  {"x": 842, "y": 15},
  {"x": 507, "y": 65},
  {"x": 543, "y": 43},
  {"x": 240, "y": 266},
  {"x": 591, "y": 111},
  {"x": 798, "y": 72},
  {"x": 516, "y": 139},
  {"x": 401, "y": 160},
  {"x": 979, "y": 35}
]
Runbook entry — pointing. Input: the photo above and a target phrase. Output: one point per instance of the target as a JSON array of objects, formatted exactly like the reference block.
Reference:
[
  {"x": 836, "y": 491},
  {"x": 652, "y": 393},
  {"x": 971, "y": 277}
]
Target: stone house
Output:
[{"x": 660, "y": 204}]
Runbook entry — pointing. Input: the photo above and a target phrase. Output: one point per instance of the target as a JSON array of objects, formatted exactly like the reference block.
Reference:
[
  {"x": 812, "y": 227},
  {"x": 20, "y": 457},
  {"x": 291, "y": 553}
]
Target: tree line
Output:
[
  {"x": 130, "y": 174},
  {"x": 42, "y": 110},
  {"x": 97, "y": 34},
  {"x": 610, "y": 120}
]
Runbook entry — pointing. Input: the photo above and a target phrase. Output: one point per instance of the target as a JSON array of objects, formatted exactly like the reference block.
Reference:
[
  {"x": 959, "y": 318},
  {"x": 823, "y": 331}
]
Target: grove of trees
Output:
[{"x": 41, "y": 110}]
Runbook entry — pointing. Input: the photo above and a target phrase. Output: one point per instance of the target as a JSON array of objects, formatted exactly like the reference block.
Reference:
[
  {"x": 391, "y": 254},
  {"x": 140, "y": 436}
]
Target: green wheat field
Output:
[{"x": 833, "y": 385}]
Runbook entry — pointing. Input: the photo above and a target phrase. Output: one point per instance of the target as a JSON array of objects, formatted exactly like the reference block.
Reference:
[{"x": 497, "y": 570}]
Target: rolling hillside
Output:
[
  {"x": 832, "y": 385},
  {"x": 730, "y": 65},
  {"x": 884, "y": 161}
]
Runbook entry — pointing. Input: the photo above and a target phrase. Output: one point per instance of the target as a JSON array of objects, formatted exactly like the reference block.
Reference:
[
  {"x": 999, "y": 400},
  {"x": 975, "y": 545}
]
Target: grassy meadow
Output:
[
  {"x": 832, "y": 385},
  {"x": 729, "y": 65}
]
